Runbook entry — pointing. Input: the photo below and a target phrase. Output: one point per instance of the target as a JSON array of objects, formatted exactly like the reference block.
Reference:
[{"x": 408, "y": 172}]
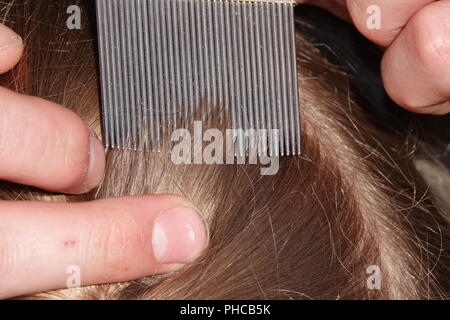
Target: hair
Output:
[{"x": 352, "y": 201}]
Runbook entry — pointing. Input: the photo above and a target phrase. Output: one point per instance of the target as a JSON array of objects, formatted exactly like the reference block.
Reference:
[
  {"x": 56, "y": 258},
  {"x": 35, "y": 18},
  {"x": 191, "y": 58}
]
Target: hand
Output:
[
  {"x": 416, "y": 33},
  {"x": 113, "y": 240}
]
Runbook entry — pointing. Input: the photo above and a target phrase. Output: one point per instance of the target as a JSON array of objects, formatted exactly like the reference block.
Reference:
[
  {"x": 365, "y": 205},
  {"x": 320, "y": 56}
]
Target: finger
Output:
[
  {"x": 11, "y": 48},
  {"x": 394, "y": 15},
  {"x": 415, "y": 67},
  {"x": 104, "y": 241},
  {"x": 47, "y": 146}
]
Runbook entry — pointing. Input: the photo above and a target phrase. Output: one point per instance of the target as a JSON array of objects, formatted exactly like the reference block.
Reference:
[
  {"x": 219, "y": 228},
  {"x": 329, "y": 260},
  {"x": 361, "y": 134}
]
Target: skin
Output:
[
  {"x": 416, "y": 35},
  {"x": 47, "y": 146}
]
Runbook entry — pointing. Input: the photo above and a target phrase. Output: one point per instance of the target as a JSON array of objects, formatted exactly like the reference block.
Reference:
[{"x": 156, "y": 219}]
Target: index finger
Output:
[
  {"x": 393, "y": 16},
  {"x": 104, "y": 241}
]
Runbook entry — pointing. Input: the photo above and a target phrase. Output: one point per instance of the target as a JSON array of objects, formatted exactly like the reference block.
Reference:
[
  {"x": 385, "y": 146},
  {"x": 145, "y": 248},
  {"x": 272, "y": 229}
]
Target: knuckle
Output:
[
  {"x": 431, "y": 37},
  {"x": 113, "y": 244}
]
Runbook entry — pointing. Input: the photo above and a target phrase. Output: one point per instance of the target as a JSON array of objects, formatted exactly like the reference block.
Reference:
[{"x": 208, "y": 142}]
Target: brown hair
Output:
[{"x": 351, "y": 201}]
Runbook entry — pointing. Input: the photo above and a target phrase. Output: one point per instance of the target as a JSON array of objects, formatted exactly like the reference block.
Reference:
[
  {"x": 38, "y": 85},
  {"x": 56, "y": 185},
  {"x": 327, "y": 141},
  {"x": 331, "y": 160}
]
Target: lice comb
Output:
[{"x": 161, "y": 59}]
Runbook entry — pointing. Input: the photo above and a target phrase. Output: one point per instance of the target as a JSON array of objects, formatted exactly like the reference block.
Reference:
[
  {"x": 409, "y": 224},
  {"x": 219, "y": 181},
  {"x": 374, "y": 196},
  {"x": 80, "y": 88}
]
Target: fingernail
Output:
[
  {"x": 8, "y": 38},
  {"x": 179, "y": 235},
  {"x": 97, "y": 161}
]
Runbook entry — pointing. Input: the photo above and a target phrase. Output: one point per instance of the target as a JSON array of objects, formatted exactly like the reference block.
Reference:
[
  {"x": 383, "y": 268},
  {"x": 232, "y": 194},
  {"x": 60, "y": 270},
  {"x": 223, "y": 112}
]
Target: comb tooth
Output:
[
  {"x": 144, "y": 133},
  {"x": 160, "y": 77},
  {"x": 194, "y": 54},
  {"x": 101, "y": 25},
  {"x": 209, "y": 55},
  {"x": 259, "y": 78},
  {"x": 205, "y": 49},
  {"x": 294, "y": 81},
  {"x": 149, "y": 106},
  {"x": 166, "y": 75},
  {"x": 237, "y": 80},
  {"x": 289, "y": 94},
  {"x": 184, "y": 60},
  {"x": 199, "y": 47},
  {"x": 136, "y": 46},
  {"x": 218, "y": 39},
  {"x": 213, "y": 61},
  {"x": 271, "y": 101},
  {"x": 148, "y": 75},
  {"x": 265, "y": 97},
  {"x": 187, "y": 31},
  {"x": 170, "y": 54},
  {"x": 242, "y": 79},
  {"x": 117, "y": 75},
  {"x": 181, "y": 57},
  {"x": 124, "y": 78},
  {"x": 249, "y": 58},
  {"x": 245, "y": 68},
  {"x": 223, "y": 50},
  {"x": 133, "y": 57},
  {"x": 131, "y": 102},
  {"x": 110, "y": 73},
  {"x": 154, "y": 110},
  {"x": 283, "y": 85},
  {"x": 253, "y": 76},
  {"x": 291, "y": 54},
  {"x": 293, "y": 101},
  {"x": 236, "y": 103},
  {"x": 230, "y": 62},
  {"x": 276, "y": 76},
  {"x": 185, "y": 81}
]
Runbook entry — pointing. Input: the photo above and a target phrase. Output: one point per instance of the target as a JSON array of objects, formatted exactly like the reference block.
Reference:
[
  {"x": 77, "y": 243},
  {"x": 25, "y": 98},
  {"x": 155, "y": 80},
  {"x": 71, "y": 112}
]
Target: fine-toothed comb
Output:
[{"x": 161, "y": 59}]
